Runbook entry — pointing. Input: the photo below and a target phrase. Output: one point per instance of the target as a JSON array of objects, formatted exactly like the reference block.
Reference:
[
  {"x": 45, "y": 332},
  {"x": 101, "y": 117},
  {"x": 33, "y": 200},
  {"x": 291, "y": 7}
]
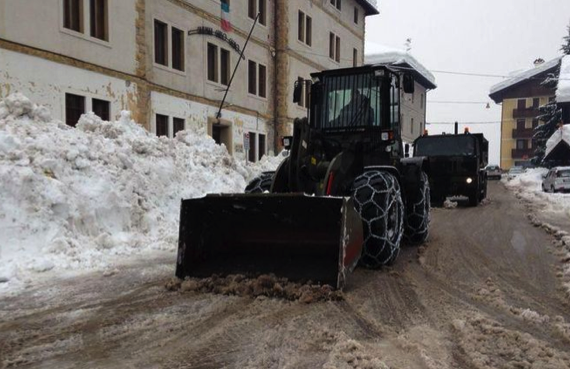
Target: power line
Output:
[
  {"x": 457, "y": 102},
  {"x": 446, "y": 123}
]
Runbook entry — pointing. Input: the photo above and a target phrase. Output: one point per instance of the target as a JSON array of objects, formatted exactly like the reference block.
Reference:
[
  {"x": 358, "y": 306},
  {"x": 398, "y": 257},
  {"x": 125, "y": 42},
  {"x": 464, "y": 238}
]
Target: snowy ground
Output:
[
  {"x": 529, "y": 187},
  {"x": 91, "y": 197}
]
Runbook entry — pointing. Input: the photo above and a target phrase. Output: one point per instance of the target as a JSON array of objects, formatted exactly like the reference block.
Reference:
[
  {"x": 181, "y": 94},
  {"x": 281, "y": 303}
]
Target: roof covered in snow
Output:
[
  {"x": 561, "y": 135},
  {"x": 380, "y": 54},
  {"x": 370, "y": 6},
  {"x": 563, "y": 90},
  {"x": 524, "y": 76}
]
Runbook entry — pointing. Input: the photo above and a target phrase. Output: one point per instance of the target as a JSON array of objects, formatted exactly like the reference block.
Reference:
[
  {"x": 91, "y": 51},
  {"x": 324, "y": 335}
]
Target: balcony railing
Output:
[
  {"x": 525, "y": 113},
  {"x": 522, "y": 153},
  {"x": 523, "y": 133}
]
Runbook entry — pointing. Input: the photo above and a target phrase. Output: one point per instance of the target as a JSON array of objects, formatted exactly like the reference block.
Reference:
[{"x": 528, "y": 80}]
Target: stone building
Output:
[{"x": 170, "y": 62}]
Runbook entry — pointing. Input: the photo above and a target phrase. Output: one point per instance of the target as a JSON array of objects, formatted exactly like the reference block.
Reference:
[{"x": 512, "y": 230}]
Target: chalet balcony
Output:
[
  {"x": 525, "y": 113},
  {"x": 522, "y": 153},
  {"x": 523, "y": 133}
]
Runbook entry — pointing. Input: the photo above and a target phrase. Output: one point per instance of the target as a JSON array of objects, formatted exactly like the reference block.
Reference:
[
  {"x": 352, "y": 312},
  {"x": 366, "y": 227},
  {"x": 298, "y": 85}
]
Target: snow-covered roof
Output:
[
  {"x": 381, "y": 54},
  {"x": 522, "y": 76},
  {"x": 563, "y": 134},
  {"x": 563, "y": 90},
  {"x": 370, "y": 6}
]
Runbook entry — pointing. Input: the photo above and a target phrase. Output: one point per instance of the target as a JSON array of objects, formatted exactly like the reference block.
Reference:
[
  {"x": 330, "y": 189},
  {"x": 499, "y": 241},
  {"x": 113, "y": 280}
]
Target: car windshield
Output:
[
  {"x": 493, "y": 167},
  {"x": 451, "y": 145},
  {"x": 565, "y": 173}
]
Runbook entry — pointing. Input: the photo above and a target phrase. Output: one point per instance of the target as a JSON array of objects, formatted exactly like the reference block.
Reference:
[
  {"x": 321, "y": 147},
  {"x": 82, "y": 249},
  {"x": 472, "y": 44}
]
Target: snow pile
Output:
[
  {"x": 380, "y": 54},
  {"x": 529, "y": 186},
  {"x": 563, "y": 89},
  {"x": 525, "y": 75},
  {"x": 82, "y": 198},
  {"x": 562, "y": 134}
]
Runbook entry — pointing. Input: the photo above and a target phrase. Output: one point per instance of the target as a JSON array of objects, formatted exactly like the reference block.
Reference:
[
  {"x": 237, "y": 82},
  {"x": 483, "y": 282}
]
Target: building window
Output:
[
  {"x": 74, "y": 107},
  {"x": 252, "y": 77},
  {"x": 336, "y": 4},
  {"x": 261, "y": 146},
  {"x": 98, "y": 17},
  {"x": 177, "y": 125},
  {"x": 262, "y": 81},
  {"x": 421, "y": 101},
  {"x": 535, "y": 102},
  {"x": 305, "y": 29},
  {"x": 262, "y": 12},
  {"x": 72, "y": 15},
  {"x": 334, "y": 47},
  {"x": 224, "y": 67},
  {"x": 521, "y": 124},
  {"x": 412, "y": 125},
  {"x": 534, "y": 122},
  {"x": 160, "y": 43},
  {"x": 301, "y": 27},
  {"x": 177, "y": 49},
  {"x": 101, "y": 108},
  {"x": 257, "y": 79},
  {"x": 521, "y": 144},
  {"x": 212, "y": 62},
  {"x": 257, "y": 6},
  {"x": 218, "y": 68},
  {"x": 252, "y": 147},
  {"x": 355, "y": 15},
  {"x": 354, "y": 57},
  {"x": 161, "y": 125},
  {"x": 521, "y": 104}
]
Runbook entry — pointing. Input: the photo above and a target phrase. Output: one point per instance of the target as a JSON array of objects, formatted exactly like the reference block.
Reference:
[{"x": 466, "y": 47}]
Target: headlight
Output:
[{"x": 469, "y": 180}]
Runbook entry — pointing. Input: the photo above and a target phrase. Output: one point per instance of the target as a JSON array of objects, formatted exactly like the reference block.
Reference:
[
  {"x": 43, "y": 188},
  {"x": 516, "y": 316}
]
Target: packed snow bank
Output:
[
  {"x": 529, "y": 186},
  {"x": 563, "y": 89},
  {"x": 95, "y": 195}
]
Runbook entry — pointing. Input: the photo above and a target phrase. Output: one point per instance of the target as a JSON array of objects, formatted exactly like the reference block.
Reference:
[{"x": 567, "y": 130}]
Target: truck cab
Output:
[{"x": 456, "y": 165}]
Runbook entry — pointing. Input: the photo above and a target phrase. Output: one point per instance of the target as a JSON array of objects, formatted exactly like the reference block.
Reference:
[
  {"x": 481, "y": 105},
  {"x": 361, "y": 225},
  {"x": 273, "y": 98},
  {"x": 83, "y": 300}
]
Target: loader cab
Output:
[{"x": 363, "y": 100}]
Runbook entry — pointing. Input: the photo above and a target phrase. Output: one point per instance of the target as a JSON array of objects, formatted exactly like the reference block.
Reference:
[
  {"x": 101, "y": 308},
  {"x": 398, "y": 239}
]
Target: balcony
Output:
[
  {"x": 525, "y": 113},
  {"x": 522, "y": 153},
  {"x": 523, "y": 133}
]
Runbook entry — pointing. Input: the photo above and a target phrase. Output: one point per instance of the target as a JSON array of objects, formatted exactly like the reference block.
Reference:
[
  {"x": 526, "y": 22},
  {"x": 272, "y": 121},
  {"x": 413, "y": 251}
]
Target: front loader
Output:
[{"x": 345, "y": 194}]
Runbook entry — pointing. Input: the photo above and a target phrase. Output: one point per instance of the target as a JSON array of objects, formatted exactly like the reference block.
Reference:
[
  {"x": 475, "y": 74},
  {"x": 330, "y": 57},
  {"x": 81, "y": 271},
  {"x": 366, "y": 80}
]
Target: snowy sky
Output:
[{"x": 484, "y": 36}]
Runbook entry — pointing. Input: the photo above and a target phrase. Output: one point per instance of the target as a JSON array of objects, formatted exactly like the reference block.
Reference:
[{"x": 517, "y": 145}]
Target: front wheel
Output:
[
  {"x": 260, "y": 184},
  {"x": 378, "y": 200},
  {"x": 418, "y": 213}
]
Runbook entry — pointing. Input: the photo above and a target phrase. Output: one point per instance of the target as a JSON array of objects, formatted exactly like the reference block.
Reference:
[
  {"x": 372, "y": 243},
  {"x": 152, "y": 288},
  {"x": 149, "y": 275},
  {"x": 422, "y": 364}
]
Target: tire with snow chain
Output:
[
  {"x": 418, "y": 213},
  {"x": 260, "y": 184},
  {"x": 378, "y": 200}
]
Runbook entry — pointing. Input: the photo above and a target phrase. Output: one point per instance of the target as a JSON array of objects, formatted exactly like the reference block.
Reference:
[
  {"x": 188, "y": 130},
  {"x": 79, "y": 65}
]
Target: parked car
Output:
[
  {"x": 494, "y": 171},
  {"x": 514, "y": 171},
  {"x": 557, "y": 180}
]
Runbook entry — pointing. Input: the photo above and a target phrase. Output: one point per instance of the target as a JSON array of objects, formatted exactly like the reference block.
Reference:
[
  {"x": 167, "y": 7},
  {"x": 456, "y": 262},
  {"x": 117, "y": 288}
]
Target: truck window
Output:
[{"x": 453, "y": 145}]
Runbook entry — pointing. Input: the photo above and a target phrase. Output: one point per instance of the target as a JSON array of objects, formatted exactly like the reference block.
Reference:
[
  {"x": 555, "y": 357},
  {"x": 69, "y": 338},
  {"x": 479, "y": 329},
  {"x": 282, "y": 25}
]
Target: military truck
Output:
[{"x": 456, "y": 165}]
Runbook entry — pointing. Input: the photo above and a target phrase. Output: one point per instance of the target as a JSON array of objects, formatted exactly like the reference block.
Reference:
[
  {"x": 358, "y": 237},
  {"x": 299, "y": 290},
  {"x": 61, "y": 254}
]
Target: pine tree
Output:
[
  {"x": 550, "y": 115},
  {"x": 566, "y": 45}
]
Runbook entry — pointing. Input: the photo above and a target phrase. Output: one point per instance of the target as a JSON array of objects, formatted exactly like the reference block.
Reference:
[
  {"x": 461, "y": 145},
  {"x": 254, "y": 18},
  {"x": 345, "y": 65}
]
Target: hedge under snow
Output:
[{"x": 81, "y": 198}]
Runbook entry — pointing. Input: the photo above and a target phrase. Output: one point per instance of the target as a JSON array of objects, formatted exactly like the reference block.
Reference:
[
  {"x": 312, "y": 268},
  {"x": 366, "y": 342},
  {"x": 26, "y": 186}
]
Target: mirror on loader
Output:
[
  {"x": 407, "y": 150},
  {"x": 409, "y": 83},
  {"x": 298, "y": 91},
  {"x": 287, "y": 141}
]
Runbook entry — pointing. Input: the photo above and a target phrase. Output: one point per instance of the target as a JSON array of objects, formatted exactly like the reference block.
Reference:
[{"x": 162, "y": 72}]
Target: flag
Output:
[{"x": 226, "y": 24}]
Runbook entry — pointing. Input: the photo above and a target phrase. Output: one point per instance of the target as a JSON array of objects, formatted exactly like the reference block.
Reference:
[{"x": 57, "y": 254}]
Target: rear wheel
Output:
[
  {"x": 378, "y": 200},
  {"x": 418, "y": 213},
  {"x": 260, "y": 184}
]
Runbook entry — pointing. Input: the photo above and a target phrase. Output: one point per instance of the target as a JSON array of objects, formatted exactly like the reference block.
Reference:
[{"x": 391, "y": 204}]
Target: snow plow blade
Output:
[{"x": 291, "y": 235}]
